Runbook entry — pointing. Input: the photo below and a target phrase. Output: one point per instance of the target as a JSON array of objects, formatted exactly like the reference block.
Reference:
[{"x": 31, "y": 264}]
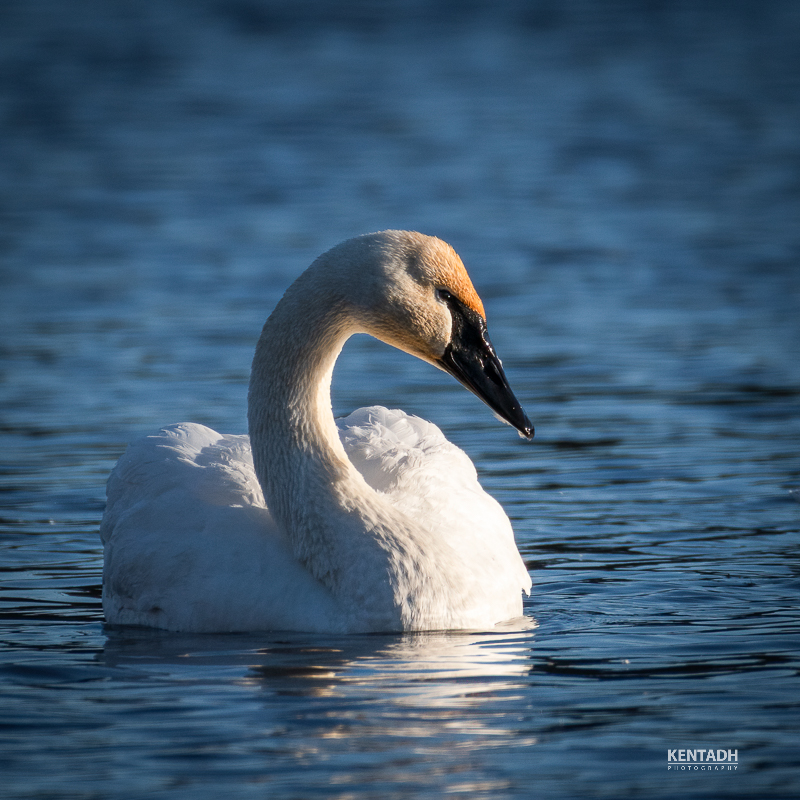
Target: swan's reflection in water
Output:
[
  {"x": 428, "y": 697},
  {"x": 413, "y": 668},
  {"x": 282, "y": 661}
]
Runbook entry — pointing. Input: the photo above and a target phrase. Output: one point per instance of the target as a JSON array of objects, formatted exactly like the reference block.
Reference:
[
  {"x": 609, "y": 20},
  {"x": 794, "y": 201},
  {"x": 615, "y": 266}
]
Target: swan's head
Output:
[{"x": 413, "y": 292}]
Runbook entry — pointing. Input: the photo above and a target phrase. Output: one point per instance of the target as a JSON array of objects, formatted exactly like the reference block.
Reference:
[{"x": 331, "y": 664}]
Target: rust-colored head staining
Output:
[{"x": 449, "y": 271}]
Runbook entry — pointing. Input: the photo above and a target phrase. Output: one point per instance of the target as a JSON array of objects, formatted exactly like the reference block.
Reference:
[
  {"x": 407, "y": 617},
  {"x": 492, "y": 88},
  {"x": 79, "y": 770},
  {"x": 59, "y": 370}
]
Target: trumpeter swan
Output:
[{"x": 378, "y": 524}]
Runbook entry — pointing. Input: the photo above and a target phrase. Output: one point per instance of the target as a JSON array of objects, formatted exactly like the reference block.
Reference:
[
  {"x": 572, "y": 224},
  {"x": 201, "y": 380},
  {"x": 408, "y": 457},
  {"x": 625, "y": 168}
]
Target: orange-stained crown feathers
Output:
[{"x": 450, "y": 271}]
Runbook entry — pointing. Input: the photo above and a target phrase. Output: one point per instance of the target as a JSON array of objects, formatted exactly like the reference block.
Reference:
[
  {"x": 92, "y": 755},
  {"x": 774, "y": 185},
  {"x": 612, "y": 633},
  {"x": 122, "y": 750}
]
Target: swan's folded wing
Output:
[
  {"x": 389, "y": 446},
  {"x": 190, "y": 545},
  {"x": 435, "y": 482},
  {"x": 204, "y": 465}
]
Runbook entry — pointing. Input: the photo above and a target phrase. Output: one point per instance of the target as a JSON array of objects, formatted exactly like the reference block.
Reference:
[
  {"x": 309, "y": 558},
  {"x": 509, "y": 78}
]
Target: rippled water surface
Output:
[{"x": 622, "y": 182}]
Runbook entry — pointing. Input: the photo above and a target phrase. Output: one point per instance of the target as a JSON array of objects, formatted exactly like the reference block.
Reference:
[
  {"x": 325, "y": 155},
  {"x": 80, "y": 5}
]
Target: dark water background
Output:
[{"x": 623, "y": 182}]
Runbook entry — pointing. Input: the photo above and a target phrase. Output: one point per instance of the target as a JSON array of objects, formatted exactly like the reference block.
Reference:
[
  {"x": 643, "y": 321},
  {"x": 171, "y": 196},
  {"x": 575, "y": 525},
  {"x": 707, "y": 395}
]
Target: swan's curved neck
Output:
[
  {"x": 289, "y": 397},
  {"x": 289, "y": 406},
  {"x": 313, "y": 492}
]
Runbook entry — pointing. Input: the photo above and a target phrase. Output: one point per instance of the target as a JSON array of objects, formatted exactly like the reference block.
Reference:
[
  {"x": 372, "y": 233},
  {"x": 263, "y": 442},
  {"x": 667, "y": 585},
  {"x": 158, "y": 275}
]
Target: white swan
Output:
[{"x": 379, "y": 525}]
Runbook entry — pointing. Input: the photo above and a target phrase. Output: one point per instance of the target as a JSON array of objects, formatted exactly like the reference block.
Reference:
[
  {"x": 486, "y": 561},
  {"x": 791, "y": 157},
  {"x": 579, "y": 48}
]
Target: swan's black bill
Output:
[{"x": 471, "y": 359}]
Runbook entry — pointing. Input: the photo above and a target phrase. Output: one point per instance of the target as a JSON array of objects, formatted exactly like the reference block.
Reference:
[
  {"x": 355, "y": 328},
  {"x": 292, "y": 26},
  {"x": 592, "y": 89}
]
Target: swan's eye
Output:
[{"x": 444, "y": 296}]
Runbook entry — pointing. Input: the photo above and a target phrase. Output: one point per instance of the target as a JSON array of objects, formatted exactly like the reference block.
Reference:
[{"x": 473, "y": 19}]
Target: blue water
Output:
[{"x": 622, "y": 181}]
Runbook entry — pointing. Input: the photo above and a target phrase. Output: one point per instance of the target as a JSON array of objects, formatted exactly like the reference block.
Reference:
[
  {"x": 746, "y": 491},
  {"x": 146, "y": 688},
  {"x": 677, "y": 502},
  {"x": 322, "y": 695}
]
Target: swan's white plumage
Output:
[
  {"x": 190, "y": 544},
  {"x": 383, "y": 527},
  {"x": 430, "y": 479}
]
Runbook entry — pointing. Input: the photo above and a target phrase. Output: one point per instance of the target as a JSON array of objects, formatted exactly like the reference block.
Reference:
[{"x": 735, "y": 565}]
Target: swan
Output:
[{"x": 372, "y": 524}]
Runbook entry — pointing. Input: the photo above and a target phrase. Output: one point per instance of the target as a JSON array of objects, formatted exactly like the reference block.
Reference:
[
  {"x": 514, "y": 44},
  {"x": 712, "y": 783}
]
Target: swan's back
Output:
[{"x": 190, "y": 544}]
